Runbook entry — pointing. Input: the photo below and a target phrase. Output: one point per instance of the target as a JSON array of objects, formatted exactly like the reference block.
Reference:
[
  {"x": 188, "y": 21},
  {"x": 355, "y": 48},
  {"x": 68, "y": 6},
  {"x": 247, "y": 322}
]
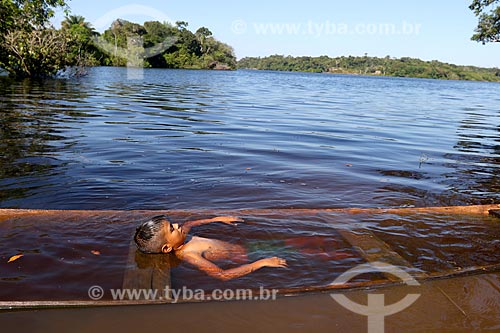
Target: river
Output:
[{"x": 180, "y": 139}]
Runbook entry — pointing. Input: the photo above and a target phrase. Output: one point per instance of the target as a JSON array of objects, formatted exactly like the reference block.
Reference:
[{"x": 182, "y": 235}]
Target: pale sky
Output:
[{"x": 425, "y": 29}]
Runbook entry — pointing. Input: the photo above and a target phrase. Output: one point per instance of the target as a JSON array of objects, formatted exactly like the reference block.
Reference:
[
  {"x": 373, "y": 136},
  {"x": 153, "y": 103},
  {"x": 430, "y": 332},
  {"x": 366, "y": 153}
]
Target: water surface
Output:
[{"x": 179, "y": 139}]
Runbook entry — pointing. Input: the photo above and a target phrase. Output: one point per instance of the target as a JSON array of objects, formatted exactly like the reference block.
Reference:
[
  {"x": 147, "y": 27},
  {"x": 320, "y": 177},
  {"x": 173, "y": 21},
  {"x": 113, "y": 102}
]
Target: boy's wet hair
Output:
[{"x": 148, "y": 235}]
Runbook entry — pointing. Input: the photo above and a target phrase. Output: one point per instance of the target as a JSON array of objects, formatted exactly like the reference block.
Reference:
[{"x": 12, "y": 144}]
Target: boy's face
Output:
[{"x": 174, "y": 235}]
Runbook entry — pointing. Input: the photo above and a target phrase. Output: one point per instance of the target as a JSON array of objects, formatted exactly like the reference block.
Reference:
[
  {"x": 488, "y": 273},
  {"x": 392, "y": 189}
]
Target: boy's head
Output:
[{"x": 159, "y": 235}]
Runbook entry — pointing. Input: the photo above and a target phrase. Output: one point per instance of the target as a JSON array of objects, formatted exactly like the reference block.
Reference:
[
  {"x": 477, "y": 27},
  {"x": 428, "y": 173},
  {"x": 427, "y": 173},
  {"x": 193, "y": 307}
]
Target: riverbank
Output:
[{"x": 395, "y": 67}]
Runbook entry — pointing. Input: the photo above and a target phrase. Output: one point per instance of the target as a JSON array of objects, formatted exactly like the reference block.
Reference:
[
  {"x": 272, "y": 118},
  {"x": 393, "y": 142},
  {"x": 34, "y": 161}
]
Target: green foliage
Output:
[
  {"x": 488, "y": 27},
  {"x": 28, "y": 47},
  {"x": 175, "y": 46},
  {"x": 218, "y": 52},
  {"x": 122, "y": 42},
  {"x": 8, "y": 13},
  {"x": 82, "y": 51},
  {"x": 36, "y": 53},
  {"x": 156, "y": 34},
  {"x": 403, "y": 67},
  {"x": 29, "y": 14}
]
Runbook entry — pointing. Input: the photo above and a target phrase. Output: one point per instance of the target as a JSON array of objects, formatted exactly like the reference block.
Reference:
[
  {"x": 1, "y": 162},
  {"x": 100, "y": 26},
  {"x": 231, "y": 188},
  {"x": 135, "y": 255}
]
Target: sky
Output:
[{"x": 425, "y": 29}]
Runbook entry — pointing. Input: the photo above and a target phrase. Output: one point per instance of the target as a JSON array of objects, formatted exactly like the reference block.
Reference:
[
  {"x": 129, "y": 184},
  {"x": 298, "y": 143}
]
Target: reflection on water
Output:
[
  {"x": 478, "y": 152},
  {"x": 32, "y": 123},
  {"x": 245, "y": 139}
]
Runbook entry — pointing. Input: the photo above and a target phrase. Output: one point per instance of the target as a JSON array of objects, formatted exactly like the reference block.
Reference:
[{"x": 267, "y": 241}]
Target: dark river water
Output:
[
  {"x": 178, "y": 139},
  {"x": 182, "y": 140}
]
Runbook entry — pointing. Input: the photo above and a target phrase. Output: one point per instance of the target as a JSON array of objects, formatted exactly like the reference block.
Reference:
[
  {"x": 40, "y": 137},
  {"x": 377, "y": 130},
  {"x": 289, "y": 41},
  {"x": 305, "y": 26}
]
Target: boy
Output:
[{"x": 159, "y": 235}]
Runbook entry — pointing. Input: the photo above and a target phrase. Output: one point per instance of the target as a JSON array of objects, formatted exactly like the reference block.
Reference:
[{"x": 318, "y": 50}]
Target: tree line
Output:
[
  {"x": 365, "y": 65},
  {"x": 163, "y": 45},
  {"x": 487, "y": 31},
  {"x": 31, "y": 47}
]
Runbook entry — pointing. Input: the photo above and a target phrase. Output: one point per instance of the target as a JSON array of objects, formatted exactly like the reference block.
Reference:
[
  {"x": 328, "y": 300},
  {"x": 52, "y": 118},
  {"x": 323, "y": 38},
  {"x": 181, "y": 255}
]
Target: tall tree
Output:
[
  {"x": 72, "y": 20},
  {"x": 202, "y": 34},
  {"x": 80, "y": 35},
  {"x": 488, "y": 28},
  {"x": 123, "y": 35}
]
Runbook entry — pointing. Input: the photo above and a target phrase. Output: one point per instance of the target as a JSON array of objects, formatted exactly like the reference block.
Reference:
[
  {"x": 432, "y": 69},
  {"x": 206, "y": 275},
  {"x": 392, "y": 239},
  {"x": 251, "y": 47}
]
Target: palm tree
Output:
[{"x": 72, "y": 20}]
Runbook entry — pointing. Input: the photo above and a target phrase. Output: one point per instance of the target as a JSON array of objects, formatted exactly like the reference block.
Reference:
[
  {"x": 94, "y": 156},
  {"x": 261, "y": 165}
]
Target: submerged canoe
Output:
[{"x": 66, "y": 253}]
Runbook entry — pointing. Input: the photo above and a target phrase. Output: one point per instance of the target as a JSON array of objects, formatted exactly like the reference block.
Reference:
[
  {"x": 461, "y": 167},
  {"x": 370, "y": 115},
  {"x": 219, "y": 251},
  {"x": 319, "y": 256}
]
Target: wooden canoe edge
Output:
[
  {"x": 19, "y": 305},
  {"x": 347, "y": 287},
  {"x": 473, "y": 209},
  {"x": 377, "y": 284}
]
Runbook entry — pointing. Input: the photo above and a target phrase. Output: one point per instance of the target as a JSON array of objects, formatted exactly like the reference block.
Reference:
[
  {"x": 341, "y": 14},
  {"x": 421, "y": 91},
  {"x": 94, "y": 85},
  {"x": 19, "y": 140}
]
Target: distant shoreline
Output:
[{"x": 372, "y": 66}]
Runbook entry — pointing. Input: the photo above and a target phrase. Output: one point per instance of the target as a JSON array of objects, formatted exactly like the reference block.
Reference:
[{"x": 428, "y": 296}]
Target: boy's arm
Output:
[
  {"x": 224, "y": 219},
  {"x": 227, "y": 274}
]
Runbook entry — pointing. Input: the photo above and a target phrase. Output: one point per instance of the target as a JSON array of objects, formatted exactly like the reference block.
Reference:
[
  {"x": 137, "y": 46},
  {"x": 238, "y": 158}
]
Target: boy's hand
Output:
[
  {"x": 275, "y": 262},
  {"x": 227, "y": 219}
]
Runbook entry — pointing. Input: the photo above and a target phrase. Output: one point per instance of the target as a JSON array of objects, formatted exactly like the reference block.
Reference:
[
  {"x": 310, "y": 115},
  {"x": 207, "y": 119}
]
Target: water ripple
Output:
[{"x": 245, "y": 139}]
